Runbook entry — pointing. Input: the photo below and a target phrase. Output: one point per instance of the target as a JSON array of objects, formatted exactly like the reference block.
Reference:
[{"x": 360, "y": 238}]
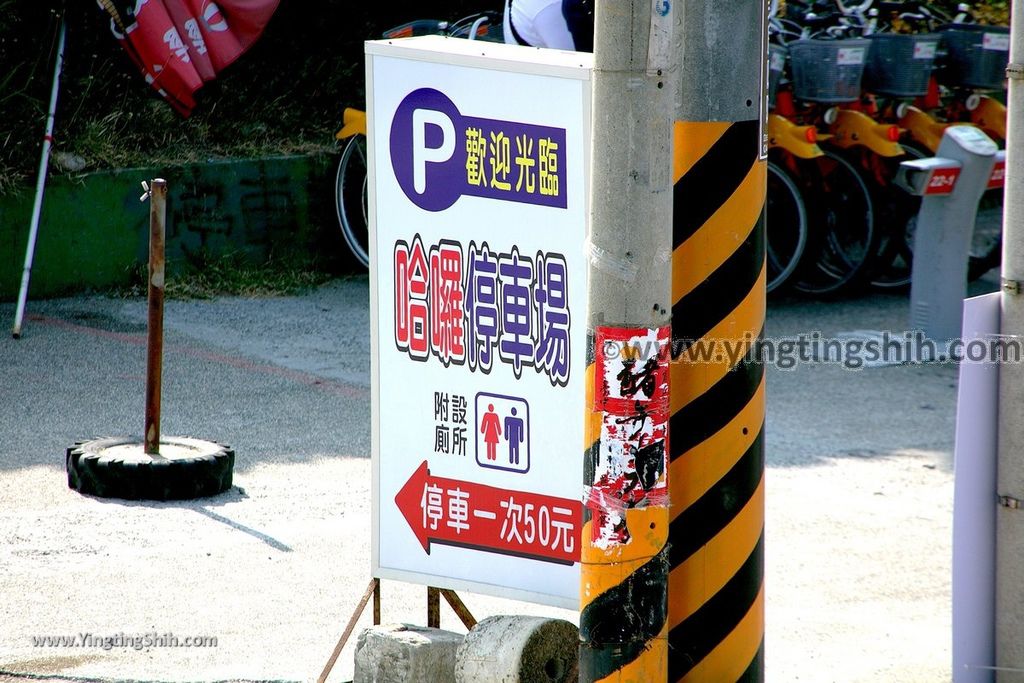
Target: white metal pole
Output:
[
  {"x": 1010, "y": 478},
  {"x": 44, "y": 162}
]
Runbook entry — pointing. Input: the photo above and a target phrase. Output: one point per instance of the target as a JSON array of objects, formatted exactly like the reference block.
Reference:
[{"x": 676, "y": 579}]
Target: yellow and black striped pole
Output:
[
  {"x": 717, "y": 406},
  {"x": 624, "y": 563}
]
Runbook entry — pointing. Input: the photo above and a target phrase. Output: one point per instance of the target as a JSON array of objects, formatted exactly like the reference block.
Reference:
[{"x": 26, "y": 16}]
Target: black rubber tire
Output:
[{"x": 191, "y": 468}]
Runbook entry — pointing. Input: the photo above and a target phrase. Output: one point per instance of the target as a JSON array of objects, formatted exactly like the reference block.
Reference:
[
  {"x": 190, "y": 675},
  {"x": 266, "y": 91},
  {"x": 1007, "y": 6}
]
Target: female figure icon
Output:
[{"x": 490, "y": 427}]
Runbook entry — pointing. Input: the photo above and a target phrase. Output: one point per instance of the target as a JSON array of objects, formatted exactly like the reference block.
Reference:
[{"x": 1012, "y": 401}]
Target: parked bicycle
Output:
[
  {"x": 841, "y": 234},
  {"x": 351, "y": 180},
  {"x": 927, "y": 71},
  {"x": 862, "y": 76}
]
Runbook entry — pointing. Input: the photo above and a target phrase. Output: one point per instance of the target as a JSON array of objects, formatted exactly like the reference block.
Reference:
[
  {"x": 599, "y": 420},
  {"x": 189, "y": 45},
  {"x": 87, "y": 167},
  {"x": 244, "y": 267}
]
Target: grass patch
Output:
[{"x": 230, "y": 275}]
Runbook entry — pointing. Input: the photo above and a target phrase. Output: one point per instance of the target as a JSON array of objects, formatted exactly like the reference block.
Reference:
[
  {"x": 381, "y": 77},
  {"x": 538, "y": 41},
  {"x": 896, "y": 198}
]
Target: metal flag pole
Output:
[
  {"x": 44, "y": 163},
  {"x": 1009, "y": 594}
]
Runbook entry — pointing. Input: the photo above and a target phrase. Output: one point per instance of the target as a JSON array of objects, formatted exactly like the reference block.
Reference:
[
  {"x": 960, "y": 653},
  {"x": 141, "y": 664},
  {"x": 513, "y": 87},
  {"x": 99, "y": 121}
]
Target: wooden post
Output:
[{"x": 155, "y": 340}]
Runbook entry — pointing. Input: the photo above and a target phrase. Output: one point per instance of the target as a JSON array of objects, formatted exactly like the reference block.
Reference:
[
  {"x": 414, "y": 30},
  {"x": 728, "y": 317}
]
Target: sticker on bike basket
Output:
[
  {"x": 996, "y": 41},
  {"x": 925, "y": 49},
  {"x": 439, "y": 155},
  {"x": 850, "y": 56}
]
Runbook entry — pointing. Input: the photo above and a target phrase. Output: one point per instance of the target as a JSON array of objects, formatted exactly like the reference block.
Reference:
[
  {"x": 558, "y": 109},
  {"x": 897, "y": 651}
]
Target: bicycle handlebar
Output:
[
  {"x": 472, "y": 26},
  {"x": 419, "y": 27},
  {"x": 812, "y": 20}
]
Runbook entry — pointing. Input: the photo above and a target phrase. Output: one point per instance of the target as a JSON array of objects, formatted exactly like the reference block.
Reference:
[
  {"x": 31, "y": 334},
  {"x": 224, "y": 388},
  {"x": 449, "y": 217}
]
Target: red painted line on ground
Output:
[
  {"x": 134, "y": 339},
  {"x": 238, "y": 362}
]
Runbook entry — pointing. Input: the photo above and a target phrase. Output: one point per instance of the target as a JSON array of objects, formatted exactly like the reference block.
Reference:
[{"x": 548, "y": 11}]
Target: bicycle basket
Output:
[
  {"x": 976, "y": 56},
  {"x": 828, "y": 71},
  {"x": 899, "y": 65},
  {"x": 776, "y": 65}
]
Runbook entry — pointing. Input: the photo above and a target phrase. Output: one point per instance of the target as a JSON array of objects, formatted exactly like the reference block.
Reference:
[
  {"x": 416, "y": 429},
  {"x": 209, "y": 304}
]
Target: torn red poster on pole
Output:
[
  {"x": 631, "y": 393},
  {"x": 179, "y": 45}
]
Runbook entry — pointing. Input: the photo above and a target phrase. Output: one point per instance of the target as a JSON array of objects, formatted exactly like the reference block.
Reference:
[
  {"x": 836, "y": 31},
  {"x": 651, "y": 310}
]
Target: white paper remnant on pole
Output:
[
  {"x": 974, "y": 502},
  {"x": 659, "y": 42},
  {"x": 478, "y": 212}
]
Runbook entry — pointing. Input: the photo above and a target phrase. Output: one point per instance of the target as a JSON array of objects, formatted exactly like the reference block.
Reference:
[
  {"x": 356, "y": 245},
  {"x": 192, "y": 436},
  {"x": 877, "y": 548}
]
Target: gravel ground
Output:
[{"x": 859, "y": 497}]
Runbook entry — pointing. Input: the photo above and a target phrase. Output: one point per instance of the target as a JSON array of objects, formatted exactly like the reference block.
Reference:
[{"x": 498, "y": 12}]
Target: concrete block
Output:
[
  {"x": 403, "y": 653},
  {"x": 519, "y": 649}
]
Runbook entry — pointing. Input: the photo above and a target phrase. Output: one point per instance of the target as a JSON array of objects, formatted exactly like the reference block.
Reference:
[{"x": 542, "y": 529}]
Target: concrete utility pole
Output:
[
  {"x": 624, "y": 554},
  {"x": 716, "y": 475},
  {"x": 1010, "y": 476}
]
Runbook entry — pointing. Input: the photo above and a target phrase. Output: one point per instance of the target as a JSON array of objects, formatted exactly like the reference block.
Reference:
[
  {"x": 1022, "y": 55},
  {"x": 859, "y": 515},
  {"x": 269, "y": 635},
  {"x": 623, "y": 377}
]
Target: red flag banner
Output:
[{"x": 180, "y": 44}]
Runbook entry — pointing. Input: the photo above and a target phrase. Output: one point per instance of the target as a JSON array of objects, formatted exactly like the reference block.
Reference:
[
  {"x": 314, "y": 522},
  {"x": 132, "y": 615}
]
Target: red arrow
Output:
[{"x": 491, "y": 519}]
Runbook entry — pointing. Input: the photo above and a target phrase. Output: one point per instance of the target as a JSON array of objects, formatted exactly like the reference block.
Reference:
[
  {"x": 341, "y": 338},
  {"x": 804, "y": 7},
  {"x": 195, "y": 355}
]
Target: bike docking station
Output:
[{"x": 950, "y": 184}]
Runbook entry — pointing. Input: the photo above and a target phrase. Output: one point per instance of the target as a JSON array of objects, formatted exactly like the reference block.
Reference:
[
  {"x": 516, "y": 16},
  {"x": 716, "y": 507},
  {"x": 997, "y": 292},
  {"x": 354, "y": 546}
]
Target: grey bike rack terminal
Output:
[{"x": 951, "y": 185}]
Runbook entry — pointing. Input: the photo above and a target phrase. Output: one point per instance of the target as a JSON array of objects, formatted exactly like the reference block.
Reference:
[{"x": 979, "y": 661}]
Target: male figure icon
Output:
[{"x": 514, "y": 436}]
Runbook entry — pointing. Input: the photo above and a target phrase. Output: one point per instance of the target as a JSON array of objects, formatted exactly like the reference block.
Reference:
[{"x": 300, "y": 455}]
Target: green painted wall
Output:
[{"x": 94, "y": 230}]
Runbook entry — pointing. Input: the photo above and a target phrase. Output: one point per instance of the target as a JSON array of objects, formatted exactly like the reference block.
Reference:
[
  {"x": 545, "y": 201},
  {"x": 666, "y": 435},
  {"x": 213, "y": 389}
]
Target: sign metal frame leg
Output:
[{"x": 433, "y": 616}]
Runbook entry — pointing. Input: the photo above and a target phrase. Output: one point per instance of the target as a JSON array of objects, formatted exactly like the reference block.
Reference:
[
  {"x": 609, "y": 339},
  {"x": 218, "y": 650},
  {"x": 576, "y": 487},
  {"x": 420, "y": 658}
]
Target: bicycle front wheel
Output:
[
  {"x": 786, "y": 227},
  {"x": 843, "y": 240},
  {"x": 897, "y": 219},
  {"x": 987, "y": 238},
  {"x": 350, "y": 198}
]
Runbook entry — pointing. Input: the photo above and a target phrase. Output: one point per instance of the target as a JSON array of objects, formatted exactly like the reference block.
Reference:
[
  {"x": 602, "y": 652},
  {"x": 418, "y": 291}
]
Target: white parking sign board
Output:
[{"x": 478, "y": 158}]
